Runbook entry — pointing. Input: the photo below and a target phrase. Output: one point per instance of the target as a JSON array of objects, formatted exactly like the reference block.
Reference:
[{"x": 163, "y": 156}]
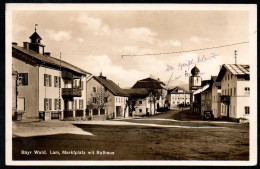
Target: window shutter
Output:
[
  {"x": 55, "y": 82},
  {"x": 81, "y": 85},
  {"x": 50, "y": 80},
  {"x": 26, "y": 79},
  {"x": 50, "y": 101},
  {"x": 45, "y": 100},
  {"x": 55, "y": 104},
  {"x": 59, "y": 82},
  {"x": 45, "y": 79}
]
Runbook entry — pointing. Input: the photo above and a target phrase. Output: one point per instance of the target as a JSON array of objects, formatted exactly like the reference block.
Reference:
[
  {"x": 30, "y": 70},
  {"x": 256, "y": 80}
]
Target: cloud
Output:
[
  {"x": 197, "y": 39},
  {"x": 93, "y": 24},
  {"x": 113, "y": 72},
  {"x": 80, "y": 40},
  {"x": 141, "y": 34},
  {"x": 59, "y": 35},
  {"x": 175, "y": 43},
  {"x": 18, "y": 28},
  {"x": 169, "y": 43}
]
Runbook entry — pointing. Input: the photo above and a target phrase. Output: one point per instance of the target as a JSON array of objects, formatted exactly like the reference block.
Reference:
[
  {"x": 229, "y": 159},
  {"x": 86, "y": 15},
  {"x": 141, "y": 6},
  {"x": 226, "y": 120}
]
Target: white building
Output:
[
  {"x": 46, "y": 87},
  {"x": 106, "y": 98},
  {"x": 235, "y": 91},
  {"x": 178, "y": 96}
]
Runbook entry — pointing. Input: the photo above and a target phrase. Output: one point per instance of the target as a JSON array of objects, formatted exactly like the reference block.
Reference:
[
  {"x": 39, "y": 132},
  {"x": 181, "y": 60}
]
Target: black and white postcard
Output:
[{"x": 131, "y": 84}]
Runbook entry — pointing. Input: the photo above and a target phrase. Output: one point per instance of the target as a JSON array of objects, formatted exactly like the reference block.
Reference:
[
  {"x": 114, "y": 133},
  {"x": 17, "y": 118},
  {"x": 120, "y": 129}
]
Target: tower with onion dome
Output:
[{"x": 194, "y": 79}]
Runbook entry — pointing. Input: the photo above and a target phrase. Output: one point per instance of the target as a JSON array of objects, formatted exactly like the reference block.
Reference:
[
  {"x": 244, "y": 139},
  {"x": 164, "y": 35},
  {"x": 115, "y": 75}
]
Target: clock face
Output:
[{"x": 197, "y": 81}]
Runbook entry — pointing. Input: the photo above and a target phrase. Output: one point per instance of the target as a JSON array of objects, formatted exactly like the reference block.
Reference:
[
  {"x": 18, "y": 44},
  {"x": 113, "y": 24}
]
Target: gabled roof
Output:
[
  {"x": 176, "y": 90},
  {"x": 111, "y": 86},
  {"x": 148, "y": 83},
  {"x": 235, "y": 69},
  {"x": 48, "y": 59},
  {"x": 214, "y": 78},
  {"x": 35, "y": 35},
  {"x": 137, "y": 93}
]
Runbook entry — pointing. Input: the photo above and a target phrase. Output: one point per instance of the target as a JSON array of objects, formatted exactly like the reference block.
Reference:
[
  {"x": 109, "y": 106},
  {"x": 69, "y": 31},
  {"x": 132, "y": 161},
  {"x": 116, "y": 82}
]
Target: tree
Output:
[
  {"x": 99, "y": 98},
  {"x": 132, "y": 103}
]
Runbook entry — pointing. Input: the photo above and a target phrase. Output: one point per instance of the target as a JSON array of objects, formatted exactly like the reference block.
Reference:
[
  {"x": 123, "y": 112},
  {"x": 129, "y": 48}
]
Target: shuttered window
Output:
[
  {"x": 22, "y": 79},
  {"x": 47, "y": 80},
  {"x": 47, "y": 104}
]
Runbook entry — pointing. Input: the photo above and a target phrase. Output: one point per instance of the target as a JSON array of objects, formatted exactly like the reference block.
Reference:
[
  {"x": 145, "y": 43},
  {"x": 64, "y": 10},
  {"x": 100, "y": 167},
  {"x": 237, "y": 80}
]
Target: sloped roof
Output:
[
  {"x": 148, "y": 83},
  {"x": 176, "y": 90},
  {"x": 139, "y": 93},
  {"x": 115, "y": 89},
  {"x": 235, "y": 69},
  {"x": 214, "y": 78},
  {"x": 49, "y": 59},
  {"x": 35, "y": 35}
]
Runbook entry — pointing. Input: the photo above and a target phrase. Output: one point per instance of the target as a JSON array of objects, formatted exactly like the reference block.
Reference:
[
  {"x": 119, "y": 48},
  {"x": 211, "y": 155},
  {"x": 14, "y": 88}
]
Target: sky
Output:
[{"x": 95, "y": 41}]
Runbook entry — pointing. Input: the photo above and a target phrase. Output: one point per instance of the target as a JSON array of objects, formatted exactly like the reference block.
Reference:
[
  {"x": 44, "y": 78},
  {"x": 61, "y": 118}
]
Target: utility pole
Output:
[{"x": 235, "y": 52}]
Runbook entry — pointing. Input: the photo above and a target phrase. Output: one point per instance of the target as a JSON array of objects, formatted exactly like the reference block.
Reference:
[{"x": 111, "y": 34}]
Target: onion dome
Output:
[{"x": 195, "y": 71}]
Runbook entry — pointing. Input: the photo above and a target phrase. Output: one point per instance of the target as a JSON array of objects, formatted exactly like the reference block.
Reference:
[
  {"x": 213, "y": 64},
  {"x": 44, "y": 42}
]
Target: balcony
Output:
[
  {"x": 71, "y": 92},
  {"x": 225, "y": 99}
]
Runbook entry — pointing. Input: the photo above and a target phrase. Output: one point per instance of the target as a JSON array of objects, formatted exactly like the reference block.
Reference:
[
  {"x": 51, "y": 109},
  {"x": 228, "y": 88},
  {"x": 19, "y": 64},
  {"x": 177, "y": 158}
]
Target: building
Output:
[
  {"x": 46, "y": 87},
  {"x": 178, "y": 96},
  {"x": 216, "y": 99},
  {"x": 202, "y": 98},
  {"x": 105, "y": 98},
  {"x": 235, "y": 91},
  {"x": 157, "y": 90},
  {"x": 140, "y": 102}
]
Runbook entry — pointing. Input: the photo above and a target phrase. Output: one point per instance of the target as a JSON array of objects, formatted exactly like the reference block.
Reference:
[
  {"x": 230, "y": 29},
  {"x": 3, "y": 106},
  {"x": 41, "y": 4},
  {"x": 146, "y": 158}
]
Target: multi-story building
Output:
[
  {"x": 106, "y": 98},
  {"x": 140, "y": 102},
  {"x": 46, "y": 87},
  {"x": 178, "y": 96},
  {"x": 235, "y": 91},
  {"x": 157, "y": 90},
  {"x": 216, "y": 99}
]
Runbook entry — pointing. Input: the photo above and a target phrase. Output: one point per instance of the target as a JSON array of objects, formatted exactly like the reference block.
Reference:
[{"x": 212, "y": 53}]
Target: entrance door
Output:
[{"x": 20, "y": 104}]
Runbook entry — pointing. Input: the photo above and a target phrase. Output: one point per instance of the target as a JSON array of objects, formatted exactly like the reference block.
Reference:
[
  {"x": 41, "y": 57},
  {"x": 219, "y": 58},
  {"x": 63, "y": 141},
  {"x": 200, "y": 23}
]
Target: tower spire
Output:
[{"x": 35, "y": 27}]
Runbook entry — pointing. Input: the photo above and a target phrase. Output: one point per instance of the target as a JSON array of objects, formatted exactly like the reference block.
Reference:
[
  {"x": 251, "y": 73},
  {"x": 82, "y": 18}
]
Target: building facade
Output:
[
  {"x": 106, "y": 98},
  {"x": 46, "y": 87},
  {"x": 178, "y": 96},
  {"x": 235, "y": 91},
  {"x": 157, "y": 90}
]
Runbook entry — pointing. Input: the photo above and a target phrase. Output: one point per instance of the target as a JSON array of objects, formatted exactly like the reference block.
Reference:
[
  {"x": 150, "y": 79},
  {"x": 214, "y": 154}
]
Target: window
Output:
[
  {"x": 47, "y": 104},
  {"x": 57, "y": 104},
  {"x": 56, "y": 81},
  {"x": 247, "y": 110},
  {"x": 94, "y": 99},
  {"x": 247, "y": 90},
  {"x": 105, "y": 99},
  {"x": 47, "y": 80},
  {"x": 94, "y": 89},
  {"x": 140, "y": 102},
  {"x": 76, "y": 105},
  {"x": 140, "y": 110},
  {"x": 234, "y": 91},
  {"x": 22, "y": 79},
  {"x": 80, "y": 104}
]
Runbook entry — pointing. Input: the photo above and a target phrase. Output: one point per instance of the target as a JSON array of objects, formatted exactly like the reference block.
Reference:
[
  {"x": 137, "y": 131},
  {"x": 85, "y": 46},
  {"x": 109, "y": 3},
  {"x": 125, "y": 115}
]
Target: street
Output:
[{"x": 173, "y": 135}]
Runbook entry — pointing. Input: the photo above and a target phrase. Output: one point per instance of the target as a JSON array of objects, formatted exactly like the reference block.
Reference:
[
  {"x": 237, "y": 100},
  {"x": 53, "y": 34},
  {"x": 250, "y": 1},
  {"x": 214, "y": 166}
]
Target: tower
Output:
[
  {"x": 195, "y": 79},
  {"x": 35, "y": 44}
]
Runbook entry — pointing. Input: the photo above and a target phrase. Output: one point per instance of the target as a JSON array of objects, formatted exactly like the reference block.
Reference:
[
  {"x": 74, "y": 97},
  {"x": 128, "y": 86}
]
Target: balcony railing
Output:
[
  {"x": 225, "y": 99},
  {"x": 71, "y": 92}
]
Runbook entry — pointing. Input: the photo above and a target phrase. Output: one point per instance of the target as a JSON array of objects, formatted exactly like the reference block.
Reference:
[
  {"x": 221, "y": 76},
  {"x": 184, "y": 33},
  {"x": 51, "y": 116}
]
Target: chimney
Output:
[
  {"x": 14, "y": 43},
  {"x": 47, "y": 53},
  {"x": 26, "y": 45}
]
